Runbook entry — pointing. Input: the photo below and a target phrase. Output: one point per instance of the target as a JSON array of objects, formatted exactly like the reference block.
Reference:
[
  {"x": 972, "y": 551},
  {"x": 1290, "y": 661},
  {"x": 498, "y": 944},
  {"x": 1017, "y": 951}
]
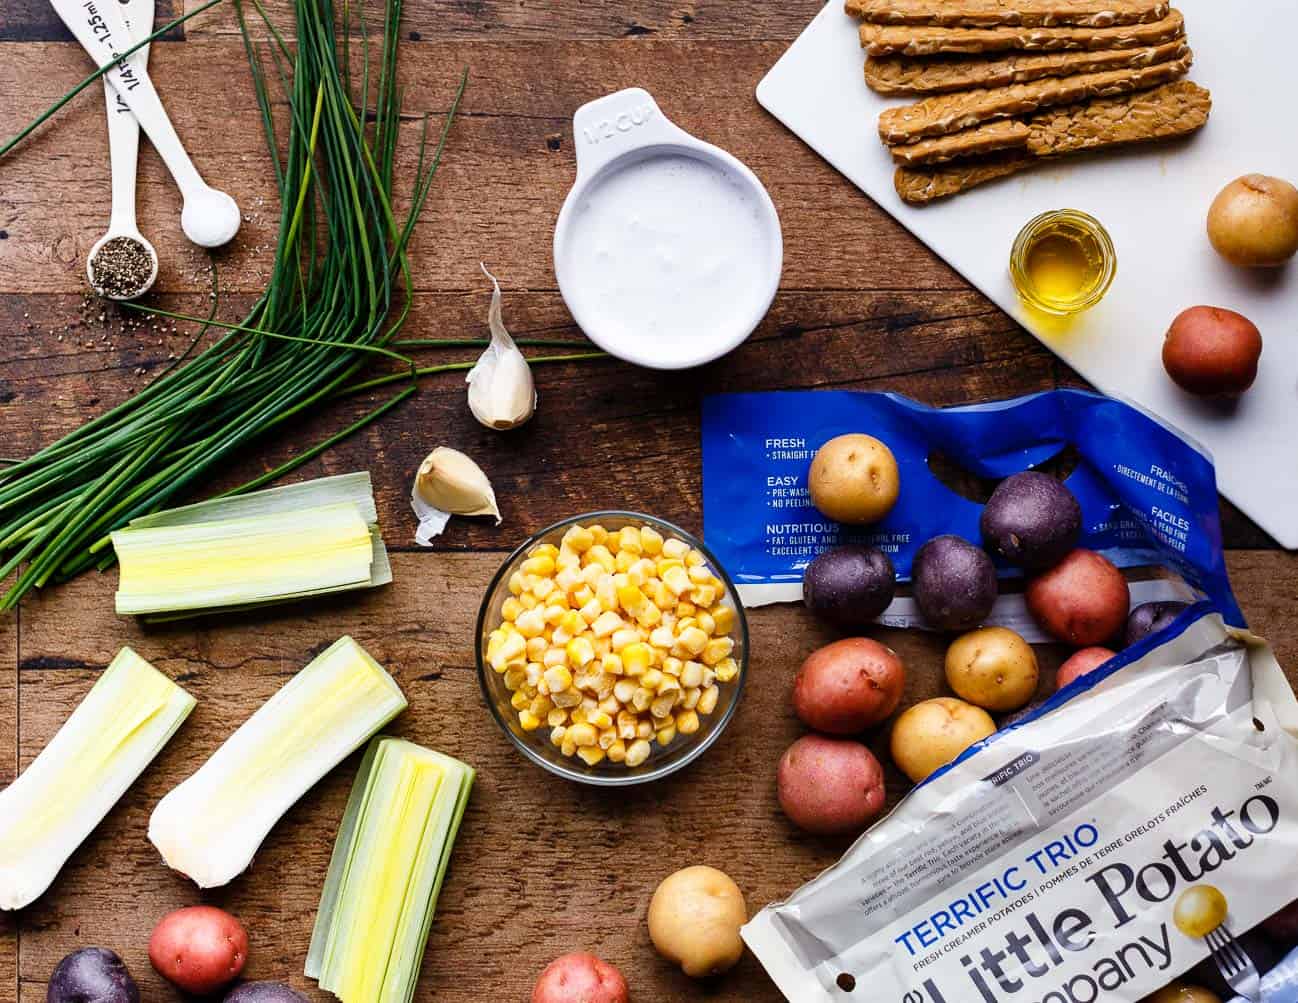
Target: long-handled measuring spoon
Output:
[
  {"x": 123, "y": 152},
  {"x": 210, "y": 217}
]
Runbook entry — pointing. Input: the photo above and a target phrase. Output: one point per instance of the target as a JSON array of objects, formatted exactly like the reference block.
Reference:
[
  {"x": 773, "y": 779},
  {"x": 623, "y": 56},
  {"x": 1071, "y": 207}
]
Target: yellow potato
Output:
[
  {"x": 694, "y": 921},
  {"x": 1199, "y": 910},
  {"x": 854, "y": 479},
  {"x": 1179, "y": 992},
  {"x": 932, "y": 733},
  {"x": 993, "y": 668}
]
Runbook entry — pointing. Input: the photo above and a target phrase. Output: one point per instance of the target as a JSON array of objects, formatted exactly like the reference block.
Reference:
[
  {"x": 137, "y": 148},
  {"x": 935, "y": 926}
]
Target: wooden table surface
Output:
[{"x": 541, "y": 867}]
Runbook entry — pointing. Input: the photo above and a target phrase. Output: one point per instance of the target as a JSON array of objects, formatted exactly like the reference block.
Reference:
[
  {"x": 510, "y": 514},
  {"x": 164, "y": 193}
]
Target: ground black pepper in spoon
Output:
[{"x": 121, "y": 268}]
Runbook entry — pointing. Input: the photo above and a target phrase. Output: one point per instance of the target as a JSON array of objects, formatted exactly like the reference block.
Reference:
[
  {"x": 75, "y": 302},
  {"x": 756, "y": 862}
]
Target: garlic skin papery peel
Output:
[
  {"x": 502, "y": 394},
  {"x": 210, "y": 826},
  {"x": 123, "y": 722},
  {"x": 449, "y": 483}
]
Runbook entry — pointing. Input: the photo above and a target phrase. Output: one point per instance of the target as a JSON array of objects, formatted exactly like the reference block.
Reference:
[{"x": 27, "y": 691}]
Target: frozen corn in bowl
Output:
[{"x": 612, "y": 648}]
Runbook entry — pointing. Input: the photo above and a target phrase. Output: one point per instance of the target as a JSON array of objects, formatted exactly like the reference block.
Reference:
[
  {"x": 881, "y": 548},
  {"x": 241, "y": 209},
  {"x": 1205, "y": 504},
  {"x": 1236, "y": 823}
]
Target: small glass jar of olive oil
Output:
[{"x": 1063, "y": 262}]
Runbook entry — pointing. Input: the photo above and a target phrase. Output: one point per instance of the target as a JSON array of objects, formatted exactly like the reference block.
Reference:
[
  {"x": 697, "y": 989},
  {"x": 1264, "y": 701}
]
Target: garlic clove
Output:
[
  {"x": 502, "y": 393},
  {"x": 449, "y": 483}
]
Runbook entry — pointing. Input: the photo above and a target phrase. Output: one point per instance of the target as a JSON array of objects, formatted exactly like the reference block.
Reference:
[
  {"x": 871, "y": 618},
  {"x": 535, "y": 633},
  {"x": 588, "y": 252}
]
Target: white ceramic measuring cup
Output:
[
  {"x": 628, "y": 154},
  {"x": 210, "y": 217},
  {"x": 124, "y": 148}
]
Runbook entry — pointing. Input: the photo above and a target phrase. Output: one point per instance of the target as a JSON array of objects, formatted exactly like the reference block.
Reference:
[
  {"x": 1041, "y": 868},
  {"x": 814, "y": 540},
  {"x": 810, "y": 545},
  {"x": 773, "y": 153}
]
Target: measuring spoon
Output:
[
  {"x": 124, "y": 147},
  {"x": 210, "y": 217}
]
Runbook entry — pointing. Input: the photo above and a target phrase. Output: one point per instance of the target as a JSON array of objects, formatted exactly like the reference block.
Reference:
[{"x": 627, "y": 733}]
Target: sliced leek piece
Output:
[
  {"x": 270, "y": 546},
  {"x": 388, "y": 864},
  {"x": 210, "y": 826},
  {"x": 123, "y": 722}
]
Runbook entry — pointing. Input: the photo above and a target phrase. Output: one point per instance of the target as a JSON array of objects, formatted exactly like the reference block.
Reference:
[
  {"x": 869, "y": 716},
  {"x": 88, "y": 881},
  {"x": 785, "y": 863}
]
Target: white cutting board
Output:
[{"x": 1153, "y": 201}]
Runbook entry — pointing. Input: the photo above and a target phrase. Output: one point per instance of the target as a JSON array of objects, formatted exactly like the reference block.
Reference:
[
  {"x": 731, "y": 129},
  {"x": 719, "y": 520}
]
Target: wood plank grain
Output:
[
  {"x": 605, "y": 434},
  {"x": 35, "y": 21},
  {"x": 540, "y": 867},
  {"x": 8, "y": 770},
  {"x": 516, "y": 126}
]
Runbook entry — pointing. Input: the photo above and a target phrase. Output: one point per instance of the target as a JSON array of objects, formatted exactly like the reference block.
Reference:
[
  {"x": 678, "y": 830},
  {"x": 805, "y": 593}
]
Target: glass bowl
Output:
[{"x": 536, "y": 745}]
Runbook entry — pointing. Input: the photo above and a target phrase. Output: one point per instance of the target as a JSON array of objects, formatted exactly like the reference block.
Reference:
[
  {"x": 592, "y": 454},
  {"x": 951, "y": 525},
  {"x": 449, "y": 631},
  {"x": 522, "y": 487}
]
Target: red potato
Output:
[
  {"x": 1080, "y": 663},
  {"x": 1083, "y": 600},
  {"x": 848, "y": 686},
  {"x": 1211, "y": 352},
  {"x": 830, "y": 785},
  {"x": 580, "y": 978},
  {"x": 199, "y": 948}
]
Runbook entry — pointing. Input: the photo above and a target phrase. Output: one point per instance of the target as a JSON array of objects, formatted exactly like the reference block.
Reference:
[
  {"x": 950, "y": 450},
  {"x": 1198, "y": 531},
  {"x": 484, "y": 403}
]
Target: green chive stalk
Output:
[{"x": 338, "y": 295}]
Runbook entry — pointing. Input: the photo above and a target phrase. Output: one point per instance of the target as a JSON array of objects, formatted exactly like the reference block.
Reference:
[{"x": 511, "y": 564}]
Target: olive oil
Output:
[{"x": 1063, "y": 262}]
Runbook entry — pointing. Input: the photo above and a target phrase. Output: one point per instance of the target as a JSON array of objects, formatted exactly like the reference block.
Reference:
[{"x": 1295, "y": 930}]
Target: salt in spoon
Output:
[
  {"x": 123, "y": 152},
  {"x": 210, "y": 217}
]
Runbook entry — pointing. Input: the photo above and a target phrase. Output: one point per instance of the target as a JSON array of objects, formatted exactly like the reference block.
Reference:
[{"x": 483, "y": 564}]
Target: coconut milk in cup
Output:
[{"x": 668, "y": 250}]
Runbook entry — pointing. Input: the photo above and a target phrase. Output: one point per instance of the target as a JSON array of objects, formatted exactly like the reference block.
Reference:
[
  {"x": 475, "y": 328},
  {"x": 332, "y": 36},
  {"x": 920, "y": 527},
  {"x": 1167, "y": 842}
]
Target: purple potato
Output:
[
  {"x": 954, "y": 583},
  {"x": 1031, "y": 520},
  {"x": 849, "y": 586},
  {"x": 264, "y": 992},
  {"x": 92, "y": 975},
  {"x": 1151, "y": 617}
]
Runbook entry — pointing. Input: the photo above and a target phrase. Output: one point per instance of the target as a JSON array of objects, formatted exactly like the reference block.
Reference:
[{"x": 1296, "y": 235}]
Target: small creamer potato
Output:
[
  {"x": 1179, "y": 992},
  {"x": 1083, "y": 600},
  {"x": 694, "y": 921},
  {"x": 580, "y": 978},
  {"x": 932, "y": 733},
  {"x": 830, "y": 785},
  {"x": 1079, "y": 663},
  {"x": 992, "y": 667},
  {"x": 854, "y": 479},
  {"x": 848, "y": 686}
]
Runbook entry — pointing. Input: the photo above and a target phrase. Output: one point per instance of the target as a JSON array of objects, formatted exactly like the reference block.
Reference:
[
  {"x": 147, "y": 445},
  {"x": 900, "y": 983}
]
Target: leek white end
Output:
[
  {"x": 391, "y": 855},
  {"x": 269, "y": 546},
  {"x": 210, "y": 826},
  {"x": 115, "y": 732}
]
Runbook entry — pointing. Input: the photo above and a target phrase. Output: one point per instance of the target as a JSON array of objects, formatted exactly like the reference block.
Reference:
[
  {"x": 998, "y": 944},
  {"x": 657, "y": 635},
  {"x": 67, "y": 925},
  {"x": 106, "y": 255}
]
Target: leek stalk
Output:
[
  {"x": 388, "y": 864},
  {"x": 210, "y": 826},
  {"x": 123, "y": 722},
  {"x": 272, "y": 546}
]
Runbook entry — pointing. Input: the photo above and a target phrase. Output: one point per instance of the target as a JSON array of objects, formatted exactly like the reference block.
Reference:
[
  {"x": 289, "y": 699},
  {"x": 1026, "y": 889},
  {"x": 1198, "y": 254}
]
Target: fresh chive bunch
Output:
[{"x": 337, "y": 296}]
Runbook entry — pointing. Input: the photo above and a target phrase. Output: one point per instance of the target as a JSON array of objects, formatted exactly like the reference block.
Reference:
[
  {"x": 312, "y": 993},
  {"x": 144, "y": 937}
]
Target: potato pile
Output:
[{"x": 1004, "y": 86}]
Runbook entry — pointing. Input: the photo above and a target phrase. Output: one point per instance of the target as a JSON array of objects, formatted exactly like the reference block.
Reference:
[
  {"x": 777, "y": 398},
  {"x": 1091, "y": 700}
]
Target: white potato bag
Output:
[{"x": 1045, "y": 865}]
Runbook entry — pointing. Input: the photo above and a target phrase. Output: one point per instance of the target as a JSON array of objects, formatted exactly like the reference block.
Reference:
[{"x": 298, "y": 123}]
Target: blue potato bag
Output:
[{"x": 1148, "y": 494}]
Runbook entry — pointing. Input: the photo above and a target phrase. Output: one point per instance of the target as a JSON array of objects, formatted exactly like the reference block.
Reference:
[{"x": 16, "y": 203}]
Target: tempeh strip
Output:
[
  {"x": 949, "y": 113},
  {"x": 1175, "y": 109},
  {"x": 991, "y": 13},
  {"x": 1008, "y": 134},
  {"x": 929, "y": 40},
  {"x": 938, "y": 75}
]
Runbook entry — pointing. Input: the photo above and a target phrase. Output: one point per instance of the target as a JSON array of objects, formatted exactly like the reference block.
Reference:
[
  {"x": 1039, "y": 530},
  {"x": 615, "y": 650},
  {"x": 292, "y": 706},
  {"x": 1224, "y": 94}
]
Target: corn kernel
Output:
[
  {"x": 512, "y": 652},
  {"x": 558, "y": 679},
  {"x": 510, "y": 609},
  {"x": 556, "y": 717},
  {"x": 649, "y": 615},
  {"x": 641, "y": 698},
  {"x": 709, "y": 677},
  {"x": 606, "y": 738},
  {"x": 568, "y": 558},
  {"x": 708, "y": 700},
  {"x": 692, "y": 675},
  {"x": 554, "y": 657},
  {"x": 610, "y": 705},
  {"x": 684, "y": 608},
  {"x": 717, "y": 649},
  {"x": 541, "y": 706},
  {"x": 569, "y": 747},
  {"x": 536, "y": 647},
  {"x": 579, "y": 539},
  {"x": 651, "y": 541},
  {"x": 622, "y": 638},
  {"x": 644, "y": 729},
  {"x": 694, "y": 559},
  {"x": 637, "y": 752},
  {"x": 556, "y": 734},
  {"x": 590, "y": 610},
  {"x": 623, "y": 560},
  {"x": 726, "y": 670},
  {"x": 534, "y": 672},
  {"x": 652, "y": 679},
  {"x": 606, "y": 623},
  {"x": 519, "y": 700},
  {"x": 544, "y": 589},
  {"x": 690, "y": 698},
  {"x": 516, "y": 586},
  {"x": 663, "y": 705},
  {"x": 659, "y": 594},
  {"x": 515, "y": 677},
  {"x": 628, "y": 540},
  {"x": 687, "y": 722},
  {"x": 626, "y": 725},
  {"x": 606, "y": 592},
  {"x": 623, "y": 690},
  {"x": 612, "y": 664},
  {"x": 591, "y": 756},
  {"x": 530, "y": 623},
  {"x": 631, "y": 599},
  {"x": 583, "y": 595},
  {"x": 636, "y": 658},
  {"x": 667, "y": 734},
  {"x": 591, "y": 575},
  {"x": 676, "y": 579},
  {"x": 703, "y": 595},
  {"x": 599, "y": 533},
  {"x": 528, "y": 720},
  {"x": 692, "y": 640},
  {"x": 636, "y": 576},
  {"x": 583, "y": 734},
  {"x": 600, "y": 719},
  {"x": 544, "y": 550},
  {"x": 599, "y": 554},
  {"x": 541, "y": 566},
  {"x": 617, "y": 752},
  {"x": 568, "y": 579},
  {"x": 578, "y": 716},
  {"x": 603, "y": 647},
  {"x": 675, "y": 548},
  {"x": 580, "y": 652},
  {"x": 724, "y": 618}
]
